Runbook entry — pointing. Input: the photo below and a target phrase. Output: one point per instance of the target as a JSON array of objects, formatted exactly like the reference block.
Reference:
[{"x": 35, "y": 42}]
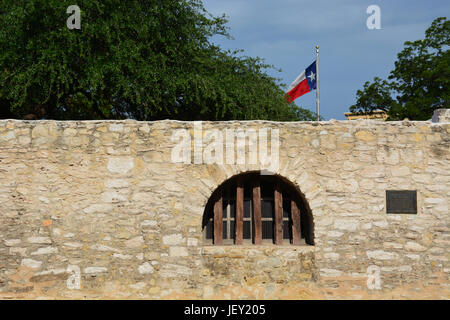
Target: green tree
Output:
[
  {"x": 419, "y": 81},
  {"x": 140, "y": 59},
  {"x": 374, "y": 96}
]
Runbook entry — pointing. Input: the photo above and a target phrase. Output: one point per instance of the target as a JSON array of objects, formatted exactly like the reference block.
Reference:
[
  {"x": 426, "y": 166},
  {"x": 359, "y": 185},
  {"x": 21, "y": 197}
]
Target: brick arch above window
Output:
[{"x": 258, "y": 209}]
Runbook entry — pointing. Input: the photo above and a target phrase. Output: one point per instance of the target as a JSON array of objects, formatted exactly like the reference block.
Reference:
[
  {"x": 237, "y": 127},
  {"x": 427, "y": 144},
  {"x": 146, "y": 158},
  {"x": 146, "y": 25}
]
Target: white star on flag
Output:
[{"x": 312, "y": 76}]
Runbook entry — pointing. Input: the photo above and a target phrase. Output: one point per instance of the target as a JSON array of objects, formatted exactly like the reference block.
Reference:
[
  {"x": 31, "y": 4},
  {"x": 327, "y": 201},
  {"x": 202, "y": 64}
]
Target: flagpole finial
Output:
[{"x": 317, "y": 46}]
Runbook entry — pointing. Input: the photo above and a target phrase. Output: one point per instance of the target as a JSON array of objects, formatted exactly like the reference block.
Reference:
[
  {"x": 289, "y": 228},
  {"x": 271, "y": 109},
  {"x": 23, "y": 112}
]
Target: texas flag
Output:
[{"x": 305, "y": 82}]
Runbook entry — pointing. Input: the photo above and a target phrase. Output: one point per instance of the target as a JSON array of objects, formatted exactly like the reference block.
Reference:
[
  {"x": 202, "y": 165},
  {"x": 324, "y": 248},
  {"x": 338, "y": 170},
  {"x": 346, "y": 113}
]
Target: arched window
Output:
[{"x": 258, "y": 209}]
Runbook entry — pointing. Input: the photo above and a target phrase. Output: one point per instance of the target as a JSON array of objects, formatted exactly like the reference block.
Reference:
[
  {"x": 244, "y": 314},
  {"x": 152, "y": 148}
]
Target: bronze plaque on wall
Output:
[{"x": 401, "y": 201}]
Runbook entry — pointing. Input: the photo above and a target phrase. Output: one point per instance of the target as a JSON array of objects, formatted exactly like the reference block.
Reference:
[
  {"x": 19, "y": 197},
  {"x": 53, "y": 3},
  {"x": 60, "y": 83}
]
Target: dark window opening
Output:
[{"x": 257, "y": 209}]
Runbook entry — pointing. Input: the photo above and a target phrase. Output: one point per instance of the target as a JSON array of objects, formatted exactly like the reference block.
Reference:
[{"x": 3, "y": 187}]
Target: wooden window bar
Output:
[
  {"x": 296, "y": 230},
  {"x": 257, "y": 212},
  {"x": 239, "y": 211},
  {"x": 278, "y": 204},
  {"x": 218, "y": 221}
]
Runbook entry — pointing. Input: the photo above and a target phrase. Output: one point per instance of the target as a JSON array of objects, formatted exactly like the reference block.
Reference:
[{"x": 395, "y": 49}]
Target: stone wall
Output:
[
  {"x": 441, "y": 115},
  {"x": 98, "y": 209}
]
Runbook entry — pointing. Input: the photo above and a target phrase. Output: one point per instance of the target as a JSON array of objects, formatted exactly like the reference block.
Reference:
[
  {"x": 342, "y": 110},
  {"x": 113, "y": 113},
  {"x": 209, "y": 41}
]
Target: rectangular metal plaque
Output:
[{"x": 401, "y": 202}]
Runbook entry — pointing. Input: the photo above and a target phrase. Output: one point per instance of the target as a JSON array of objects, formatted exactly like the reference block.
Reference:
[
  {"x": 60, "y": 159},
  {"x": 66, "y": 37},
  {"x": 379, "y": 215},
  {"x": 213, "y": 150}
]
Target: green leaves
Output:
[
  {"x": 374, "y": 96},
  {"x": 420, "y": 80},
  {"x": 141, "y": 59}
]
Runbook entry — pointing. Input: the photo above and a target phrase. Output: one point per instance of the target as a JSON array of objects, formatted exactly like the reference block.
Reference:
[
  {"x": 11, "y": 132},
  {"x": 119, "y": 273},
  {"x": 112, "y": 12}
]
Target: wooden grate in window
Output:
[{"x": 255, "y": 210}]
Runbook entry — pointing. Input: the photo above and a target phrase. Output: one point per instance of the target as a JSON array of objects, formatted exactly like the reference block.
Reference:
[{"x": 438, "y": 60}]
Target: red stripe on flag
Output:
[{"x": 298, "y": 91}]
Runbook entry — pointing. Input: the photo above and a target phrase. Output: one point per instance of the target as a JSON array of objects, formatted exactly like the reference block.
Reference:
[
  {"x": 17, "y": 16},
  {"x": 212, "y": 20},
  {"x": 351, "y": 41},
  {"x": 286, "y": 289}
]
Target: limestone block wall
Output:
[
  {"x": 441, "y": 115},
  {"x": 99, "y": 209}
]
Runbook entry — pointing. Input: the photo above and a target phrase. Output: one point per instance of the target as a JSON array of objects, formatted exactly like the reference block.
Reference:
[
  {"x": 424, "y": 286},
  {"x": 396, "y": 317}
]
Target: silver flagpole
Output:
[{"x": 317, "y": 84}]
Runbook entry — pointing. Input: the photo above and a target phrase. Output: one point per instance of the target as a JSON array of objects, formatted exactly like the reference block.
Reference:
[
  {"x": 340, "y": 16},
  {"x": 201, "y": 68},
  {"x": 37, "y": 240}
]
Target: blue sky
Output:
[{"x": 285, "y": 32}]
